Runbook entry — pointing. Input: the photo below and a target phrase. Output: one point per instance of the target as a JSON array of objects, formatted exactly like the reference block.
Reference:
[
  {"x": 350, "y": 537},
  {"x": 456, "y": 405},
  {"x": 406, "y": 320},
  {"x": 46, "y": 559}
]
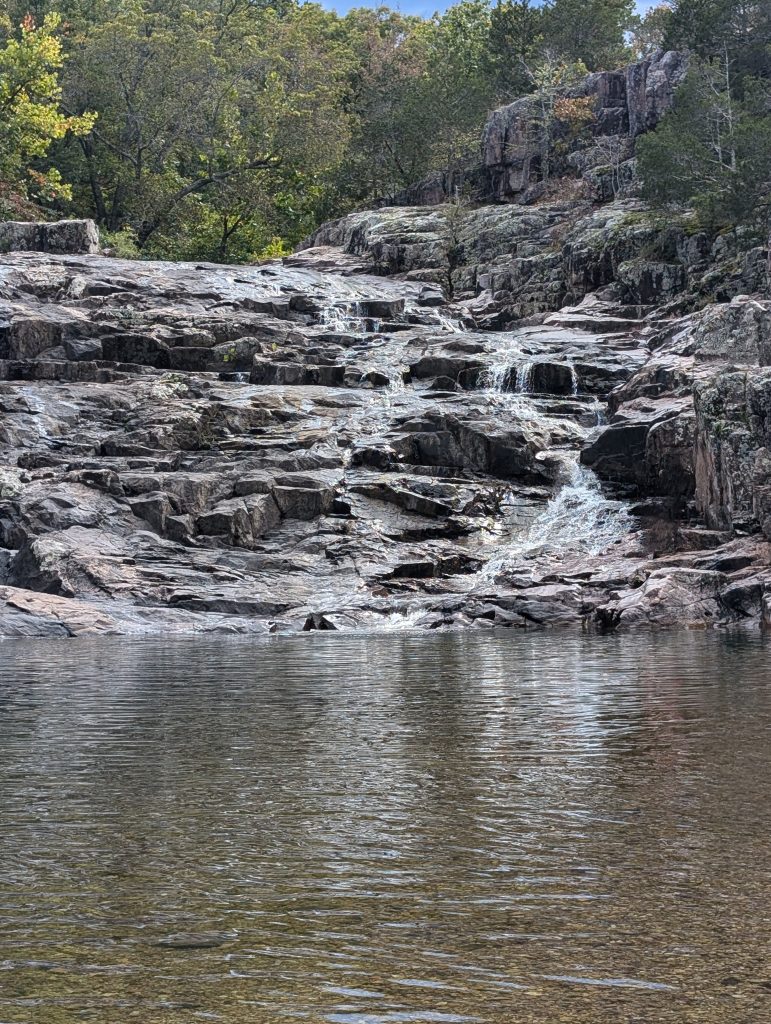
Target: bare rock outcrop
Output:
[
  {"x": 73, "y": 237},
  {"x": 196, "y": 448},
  {"x": 624, "y": 103}
]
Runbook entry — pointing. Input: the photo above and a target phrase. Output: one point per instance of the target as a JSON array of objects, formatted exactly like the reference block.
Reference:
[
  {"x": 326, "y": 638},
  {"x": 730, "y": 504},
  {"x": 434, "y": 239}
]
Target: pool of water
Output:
[{"x": 366, "y": 830}]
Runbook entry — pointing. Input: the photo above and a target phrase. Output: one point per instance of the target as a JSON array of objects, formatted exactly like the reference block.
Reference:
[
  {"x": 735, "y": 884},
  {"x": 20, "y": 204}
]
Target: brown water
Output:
[{"x": 366, "y": 830}]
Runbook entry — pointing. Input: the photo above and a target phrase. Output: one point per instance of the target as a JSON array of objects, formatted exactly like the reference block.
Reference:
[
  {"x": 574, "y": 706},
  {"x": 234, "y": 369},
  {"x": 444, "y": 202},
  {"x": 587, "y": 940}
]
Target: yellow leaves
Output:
[
  {"x": 49, "y": 186},
  {"x": 30, "y": 118},
  {"x": 574, "y": 111}
]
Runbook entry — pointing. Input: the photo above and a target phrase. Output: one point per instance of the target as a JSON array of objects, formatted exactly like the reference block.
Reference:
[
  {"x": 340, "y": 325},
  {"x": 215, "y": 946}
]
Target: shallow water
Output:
[{"x": 364, "y": 830}]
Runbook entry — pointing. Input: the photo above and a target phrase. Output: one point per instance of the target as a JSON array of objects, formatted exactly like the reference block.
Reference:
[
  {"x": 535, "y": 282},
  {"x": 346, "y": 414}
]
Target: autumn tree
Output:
[
  {"x": 550, "y": 78},
  {"x": 31, "y": 119}
]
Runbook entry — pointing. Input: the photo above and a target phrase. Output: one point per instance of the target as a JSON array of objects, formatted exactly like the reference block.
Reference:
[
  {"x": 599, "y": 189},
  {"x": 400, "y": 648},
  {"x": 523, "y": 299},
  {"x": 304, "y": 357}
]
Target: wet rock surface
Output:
[
  {"x": 504, "y": 263},
  {"x": 194, "y": 448}
]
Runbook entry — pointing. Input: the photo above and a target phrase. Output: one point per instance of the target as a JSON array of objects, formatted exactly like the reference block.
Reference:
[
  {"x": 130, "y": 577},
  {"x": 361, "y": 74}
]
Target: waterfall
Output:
[
  {"x": 525, "y": 378},
  {"x": 496, "y": 378},
  {"x": 395, "y": 381},
  {"x": 577, "y": 519},
  {"x": 447, "y": 323},
  {"x": 343, "y": 317}
]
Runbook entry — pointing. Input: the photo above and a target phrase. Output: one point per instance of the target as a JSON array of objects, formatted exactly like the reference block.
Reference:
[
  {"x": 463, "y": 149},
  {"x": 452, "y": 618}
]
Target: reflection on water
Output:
[{"x": 368, "y": 830}]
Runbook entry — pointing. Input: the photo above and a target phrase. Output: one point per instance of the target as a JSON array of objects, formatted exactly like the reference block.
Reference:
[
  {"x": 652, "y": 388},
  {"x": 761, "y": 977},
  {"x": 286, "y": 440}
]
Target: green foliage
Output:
[
  {"x": 205, "y": 116},
  {"x": 122, "y": 244},
  {"x": 712, "y": 151},
  {"x": 590, "y": 31},
  {"x": 212, "y": 130},
  {"x": 225, "y": 127},
  {"x": 737, "y": 30},
  {"x": 554, "y": 113},
  {"x": 515, "y": 42},
  {"x": 276, "y": 249},
  {"x": 30, "y": 115},
  {"x": 649, "y": 30}
]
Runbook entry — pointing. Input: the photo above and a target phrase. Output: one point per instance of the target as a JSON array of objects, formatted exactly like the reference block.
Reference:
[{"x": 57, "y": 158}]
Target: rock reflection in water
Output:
[{"x": 385, "y": 828}]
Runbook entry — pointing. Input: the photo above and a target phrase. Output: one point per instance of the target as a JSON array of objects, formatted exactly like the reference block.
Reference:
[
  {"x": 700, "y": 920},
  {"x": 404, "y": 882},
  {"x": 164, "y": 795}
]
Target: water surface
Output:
[{"x": 375, "y": 829}]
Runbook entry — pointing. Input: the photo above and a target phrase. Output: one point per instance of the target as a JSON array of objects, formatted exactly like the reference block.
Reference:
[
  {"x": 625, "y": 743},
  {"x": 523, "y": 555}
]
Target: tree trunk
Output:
[{"x": 100, "y": 208}]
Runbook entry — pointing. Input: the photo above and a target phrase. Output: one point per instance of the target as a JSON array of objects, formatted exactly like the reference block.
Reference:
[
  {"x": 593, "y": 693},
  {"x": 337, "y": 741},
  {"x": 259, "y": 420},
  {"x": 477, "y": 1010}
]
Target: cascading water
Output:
[
  {"x": 447, "y": 323},
  {"x": 342, "y": 317},
  {"x": 496, "y": 377},
  {"x": 525, "y": 378},
  {"x": 577, "y": 520},
  {"x": 395, "y": 384}
]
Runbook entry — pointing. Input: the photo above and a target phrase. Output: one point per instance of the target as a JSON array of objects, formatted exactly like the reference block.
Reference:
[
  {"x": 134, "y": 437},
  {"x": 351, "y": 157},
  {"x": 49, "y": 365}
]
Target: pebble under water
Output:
[{"x": 364, "y": 829}]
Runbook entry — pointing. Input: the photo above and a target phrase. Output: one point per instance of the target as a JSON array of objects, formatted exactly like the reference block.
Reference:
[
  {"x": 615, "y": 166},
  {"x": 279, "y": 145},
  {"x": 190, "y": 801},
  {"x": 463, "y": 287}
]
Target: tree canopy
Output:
[
  {"x": 227, "y": 129},
  {"x": 712, "y": 151}
]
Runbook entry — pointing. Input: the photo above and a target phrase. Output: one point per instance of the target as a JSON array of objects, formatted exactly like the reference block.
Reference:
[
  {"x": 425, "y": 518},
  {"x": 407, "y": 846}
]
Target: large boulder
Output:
[
  {"x": 738, "y": 331},
  {"x": 65, "y": 237},
  {"x": 624, "y": 103},
  {"x": 668, "y": 597},
  {"x": 733, "y": 450}
]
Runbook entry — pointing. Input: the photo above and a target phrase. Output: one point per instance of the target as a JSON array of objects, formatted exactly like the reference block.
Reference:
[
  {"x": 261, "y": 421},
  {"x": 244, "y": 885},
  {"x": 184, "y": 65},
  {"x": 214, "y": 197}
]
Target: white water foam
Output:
[
  {"x": 577, "y": 519},
  {"x": 400, "y": 621},
  {"x": 525, "y": 378},
  {"x": 448, "y": 323},
  {"x": 342, "y": 317}
]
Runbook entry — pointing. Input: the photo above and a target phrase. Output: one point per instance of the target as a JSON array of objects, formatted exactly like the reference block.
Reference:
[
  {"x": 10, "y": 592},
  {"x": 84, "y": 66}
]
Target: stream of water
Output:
[{"x": 580, "y": 518}]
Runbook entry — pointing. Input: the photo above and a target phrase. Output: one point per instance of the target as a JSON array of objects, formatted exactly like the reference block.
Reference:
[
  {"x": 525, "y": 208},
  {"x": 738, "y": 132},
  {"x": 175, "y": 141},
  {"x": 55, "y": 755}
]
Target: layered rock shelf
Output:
[{"x": 306, "y": 445}]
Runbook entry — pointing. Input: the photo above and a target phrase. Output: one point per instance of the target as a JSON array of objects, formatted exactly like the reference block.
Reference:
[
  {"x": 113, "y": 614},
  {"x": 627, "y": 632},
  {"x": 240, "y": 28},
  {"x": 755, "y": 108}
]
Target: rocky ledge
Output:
[{"x": 304, "y": 445}]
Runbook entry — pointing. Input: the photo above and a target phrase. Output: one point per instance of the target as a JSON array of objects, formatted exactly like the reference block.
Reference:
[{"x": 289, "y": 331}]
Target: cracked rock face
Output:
[
  {"x": 299, "y": 446},
  {"x": 624, "y": 104}
]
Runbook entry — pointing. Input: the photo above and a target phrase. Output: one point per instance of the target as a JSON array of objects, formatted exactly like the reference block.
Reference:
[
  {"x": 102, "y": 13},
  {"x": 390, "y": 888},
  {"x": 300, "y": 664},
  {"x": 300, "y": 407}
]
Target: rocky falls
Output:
[{"x": 521, "y": 413}]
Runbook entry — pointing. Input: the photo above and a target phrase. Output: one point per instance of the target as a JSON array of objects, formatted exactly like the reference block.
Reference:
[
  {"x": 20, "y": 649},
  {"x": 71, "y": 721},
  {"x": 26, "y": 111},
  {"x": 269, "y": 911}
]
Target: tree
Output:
[
  {"x": 390, "y": 138},
  {"x": 30, "y": 115},
  {"x": 419, "y": 95},
  {"x": 515, "y": 40},
  {"x": 712, "y": 151},
  {"x": 590, "y": 31},
  {"x": 206, "y": 114},
  {"x": 649, "y": 30},
  {"x": 740, "y": 29},
  {"x": 553, "y": 110}
]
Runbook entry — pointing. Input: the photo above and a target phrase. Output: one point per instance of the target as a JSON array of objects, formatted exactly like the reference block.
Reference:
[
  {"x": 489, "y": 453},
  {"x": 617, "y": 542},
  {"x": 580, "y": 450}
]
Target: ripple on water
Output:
[{"x": 382, "y": 827}]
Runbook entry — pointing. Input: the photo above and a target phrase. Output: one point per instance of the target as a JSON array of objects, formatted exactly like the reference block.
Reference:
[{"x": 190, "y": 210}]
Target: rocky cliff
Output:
[
  {"x": 430, "y": 417},
  {"x": 623, "y": 105}
]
